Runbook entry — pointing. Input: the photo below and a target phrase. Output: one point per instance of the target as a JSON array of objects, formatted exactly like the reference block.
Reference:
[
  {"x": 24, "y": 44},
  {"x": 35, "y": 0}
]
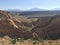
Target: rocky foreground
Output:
[{"x": 7, "y": 41}]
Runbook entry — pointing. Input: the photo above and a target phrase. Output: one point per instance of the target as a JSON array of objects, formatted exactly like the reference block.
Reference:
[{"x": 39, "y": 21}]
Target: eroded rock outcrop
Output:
[{"x": 8, "y": 27}]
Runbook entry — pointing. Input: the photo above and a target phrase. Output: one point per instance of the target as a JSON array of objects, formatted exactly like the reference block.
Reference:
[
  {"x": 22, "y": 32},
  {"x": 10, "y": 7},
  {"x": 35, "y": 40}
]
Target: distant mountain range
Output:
[
  {"x": 32, "y": 9},
  {"x": 36, "y": 9},
  {"x": 56, "y": 9},
  {"x": 34, "y": 12},
  {"x": 13, "y": 10}
]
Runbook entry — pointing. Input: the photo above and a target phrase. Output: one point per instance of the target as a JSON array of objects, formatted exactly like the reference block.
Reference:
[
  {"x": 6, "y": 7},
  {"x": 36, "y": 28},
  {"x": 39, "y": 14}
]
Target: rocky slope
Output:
[
  {"x": 11, "y": 27},
  {"x": 17, "y": 28},
  {"x": 51, "y": 30}
]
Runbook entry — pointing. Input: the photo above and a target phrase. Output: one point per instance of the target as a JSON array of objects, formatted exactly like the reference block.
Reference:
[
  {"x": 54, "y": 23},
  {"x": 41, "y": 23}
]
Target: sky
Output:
[{"x": 28, "y": 4}]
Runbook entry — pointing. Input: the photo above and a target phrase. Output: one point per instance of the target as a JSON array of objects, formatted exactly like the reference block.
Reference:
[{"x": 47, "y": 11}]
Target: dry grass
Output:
[{"x": 7, "y": 41}]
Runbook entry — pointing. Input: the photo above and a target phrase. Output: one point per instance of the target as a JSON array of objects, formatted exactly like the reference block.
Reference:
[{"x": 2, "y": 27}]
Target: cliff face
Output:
[
  {"x": 9, "y": 27},
  {"x": 6, "y": 24}
]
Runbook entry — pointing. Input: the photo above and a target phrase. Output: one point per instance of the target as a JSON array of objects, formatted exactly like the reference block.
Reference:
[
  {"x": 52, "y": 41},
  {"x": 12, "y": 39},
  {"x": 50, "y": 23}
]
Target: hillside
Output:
[
  {"x": 51, "y": 30},
  {"x": 11, "y": 27},
  {"x": 24, "y": 27}
]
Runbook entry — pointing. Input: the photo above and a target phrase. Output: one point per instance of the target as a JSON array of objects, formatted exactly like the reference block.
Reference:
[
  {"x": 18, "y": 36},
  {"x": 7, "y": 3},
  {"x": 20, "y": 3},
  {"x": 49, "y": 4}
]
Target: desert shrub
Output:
[
  {"x": 17, "y": 39},
  {"x": 13, "y": 41},
  {"x": 37, "y": 38},
  {"x": 20, "y": 39}
]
